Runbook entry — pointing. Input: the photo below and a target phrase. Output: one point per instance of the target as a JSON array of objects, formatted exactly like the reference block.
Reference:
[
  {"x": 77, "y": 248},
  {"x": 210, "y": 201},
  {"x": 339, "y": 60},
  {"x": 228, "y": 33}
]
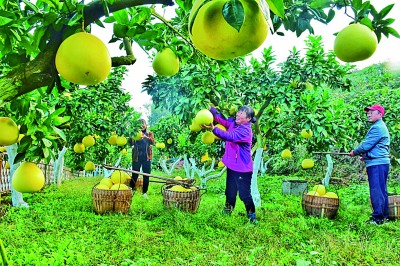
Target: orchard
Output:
[{"x": 63, "y": 105}]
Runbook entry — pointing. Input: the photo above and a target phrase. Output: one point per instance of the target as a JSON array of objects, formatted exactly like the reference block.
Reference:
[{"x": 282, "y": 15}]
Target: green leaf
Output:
[
  {"x": 276, "y": 6},
  {"x": 121, "y": 16},
  {"x": 367, "y": 22},
  {"x": 386, "y": 10},
  {"x": 320, "y": 4},
  {"x": 331, "y": 15},
  {"x": 233, "y": 13},
  {"x": 357, "y": 4},
  {"x": 19, "y": 158},
  {"x": 47, "y": 143}
]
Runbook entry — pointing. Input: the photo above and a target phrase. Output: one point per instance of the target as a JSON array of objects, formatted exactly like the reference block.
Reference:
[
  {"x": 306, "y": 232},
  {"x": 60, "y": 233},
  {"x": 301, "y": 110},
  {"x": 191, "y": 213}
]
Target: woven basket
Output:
[
  {"x": 320, "y": 206},
  {"x": 111, "y": 200},
  {"x": 185, "y": 201},
  {"x": 394, "y": 207}
]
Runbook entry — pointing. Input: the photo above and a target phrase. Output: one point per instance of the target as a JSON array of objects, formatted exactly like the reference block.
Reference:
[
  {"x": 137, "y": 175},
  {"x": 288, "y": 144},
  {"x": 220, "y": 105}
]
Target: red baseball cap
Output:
[{"x": 375, "y": 107}]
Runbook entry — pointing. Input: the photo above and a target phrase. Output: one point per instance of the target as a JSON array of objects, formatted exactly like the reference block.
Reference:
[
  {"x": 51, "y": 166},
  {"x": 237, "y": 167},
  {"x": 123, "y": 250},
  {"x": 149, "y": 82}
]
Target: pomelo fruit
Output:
[
  {"x": 331, "y": 195},
  {"x": 208, "y": 137},
  {"x": 89, "y": 166},
  {"x": 121, "y": 141},
  {"x": 113, "y": 140},
  {"x": 356, "y": 42},
  {"x": 216, "y": 38},
  {"x": 106, "y": 181},
  {"x": 79, "y": 148},
  {"x": 118, "y": 177},
  {"x": 119, "y": 187},
  {"x": 221, "y": 127},
  {"x": 286, "y": 154},
  {"x": 9, "y": 131},
  {"x": 28, "y": 178},
  {"x": 306, "y": 133},
  {"x": 320, "y": 189},
  {"x": 307, "y": 164},
  {"x": 88, "y": 141},
  {"x": 102, "y": 186},
  {"x": 204, "y": 117},
  {"x": 166, "y": 63},
  {"x": 83, "y": 59}
]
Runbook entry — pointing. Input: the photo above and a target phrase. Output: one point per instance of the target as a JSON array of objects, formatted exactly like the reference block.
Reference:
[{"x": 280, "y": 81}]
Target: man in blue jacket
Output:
[{"x": 374, "y": 151}]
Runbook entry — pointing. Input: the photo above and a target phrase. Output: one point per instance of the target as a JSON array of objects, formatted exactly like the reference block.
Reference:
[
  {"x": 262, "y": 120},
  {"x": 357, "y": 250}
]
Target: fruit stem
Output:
[{"x": 155, "y": 14}]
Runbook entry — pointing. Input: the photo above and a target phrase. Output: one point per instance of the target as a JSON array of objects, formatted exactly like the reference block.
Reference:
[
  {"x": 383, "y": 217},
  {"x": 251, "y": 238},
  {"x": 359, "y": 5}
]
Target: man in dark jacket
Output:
[
  {"x": 142, "y": 154},
  {"x": 374, "y": 151},
  {"x": 237, "y": 157}
]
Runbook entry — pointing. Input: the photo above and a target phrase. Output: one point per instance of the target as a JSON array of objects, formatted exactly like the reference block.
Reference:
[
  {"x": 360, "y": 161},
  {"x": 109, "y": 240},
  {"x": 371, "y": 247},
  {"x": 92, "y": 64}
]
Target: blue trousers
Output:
[
  {"x": 239, "y": 182},
  {"x": 146, "y": 168},
  {"x": 377, "y": 179}
]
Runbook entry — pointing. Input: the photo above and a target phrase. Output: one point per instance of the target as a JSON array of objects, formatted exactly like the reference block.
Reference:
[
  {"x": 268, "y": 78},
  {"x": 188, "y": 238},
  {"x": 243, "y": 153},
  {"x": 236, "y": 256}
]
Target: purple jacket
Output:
[{"x": 238, "y": 139}]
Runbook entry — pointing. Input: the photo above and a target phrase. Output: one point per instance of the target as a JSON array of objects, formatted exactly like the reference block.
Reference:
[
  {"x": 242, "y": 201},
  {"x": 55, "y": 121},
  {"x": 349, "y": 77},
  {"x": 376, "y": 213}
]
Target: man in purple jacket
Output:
[{"x": 237, "y": 157}]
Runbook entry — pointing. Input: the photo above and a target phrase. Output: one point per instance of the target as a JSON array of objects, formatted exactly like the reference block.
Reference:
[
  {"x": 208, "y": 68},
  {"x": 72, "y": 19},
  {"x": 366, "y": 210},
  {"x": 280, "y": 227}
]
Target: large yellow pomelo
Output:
[
  {"x": 306, "y": 133},
  {"x": 331, "y": 195},
  {"x": 208, "y": 137},
  {"x": 9, "y": 131},
  {"x": 307, "y": 164},
  {"x": 166, "y": 63},
  {"x": 28, "y": 178},
  {"x": 204, "y": 117},
  {"x": 138, "y": 135},
  {"x": 320, "y": 189},
  {"x": 88, "y": 141},
  {"x": 195, "y": 127},
  {"x": 121, "y": 141},
  {"x": 178, "y": 188},
  {"x": 113, "y": 140},
  {"x": 83, "y": 59},
  {"x": 79, "y": 148},
  {"x": 89, "y": 166},
  {"x": 118, "y": 177},
  {"x": 160, "y": 145},
  {"x": 286, "y": 154},
  {"x": 102, "y": 186},
  {"x": 213, "y": 35},
  {"x": 106, "y": 181},
  {"x": 119, "y": 187},
  {"x": 355, "y": 42},
  {"x": 313, "y": 193}
]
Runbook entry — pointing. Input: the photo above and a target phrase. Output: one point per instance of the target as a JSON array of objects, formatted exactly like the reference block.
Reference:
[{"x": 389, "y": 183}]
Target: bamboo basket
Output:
[
  {"x": 111, "y": 200},
  {"x": 320, "y": 206},
  {"x": 185, "y": 201},
  {"x": 394, "y": 207}
]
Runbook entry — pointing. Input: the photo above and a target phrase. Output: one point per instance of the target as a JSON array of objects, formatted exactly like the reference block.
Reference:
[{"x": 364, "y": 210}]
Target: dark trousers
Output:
[
  {"x": 377, "y": 179},
  {"x": 146, "y": 168},
  {"x": 239, "y": 182}
]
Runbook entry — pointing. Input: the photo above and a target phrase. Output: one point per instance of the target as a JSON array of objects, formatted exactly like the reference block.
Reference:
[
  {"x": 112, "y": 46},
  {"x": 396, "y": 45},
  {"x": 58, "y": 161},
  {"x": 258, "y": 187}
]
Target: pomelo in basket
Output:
[
  {"x": 320, "y": 189},
  {"x": 118, "y": 177},
  {"x": 83, "y": 59},
  {"x": 119, "y": 187},
  {"x": 106, "y": 181},
  {"x": 28, "y": 178},
  {"x": 102, "y": 186},
  {"x": 9, "y": 131}
]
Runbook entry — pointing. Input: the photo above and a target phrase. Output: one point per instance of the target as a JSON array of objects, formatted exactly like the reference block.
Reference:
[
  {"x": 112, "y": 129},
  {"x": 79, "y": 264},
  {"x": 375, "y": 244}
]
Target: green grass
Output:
[{"x": 61, "y": 228}]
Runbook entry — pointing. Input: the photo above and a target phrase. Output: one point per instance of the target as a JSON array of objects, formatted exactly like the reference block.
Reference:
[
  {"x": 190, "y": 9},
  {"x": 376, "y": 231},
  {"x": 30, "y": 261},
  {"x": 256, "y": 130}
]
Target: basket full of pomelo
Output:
[
  {"x": 111, "y": 194},
  {"x": 318, "y": 202},
  {"x": 184, "y": 197}
]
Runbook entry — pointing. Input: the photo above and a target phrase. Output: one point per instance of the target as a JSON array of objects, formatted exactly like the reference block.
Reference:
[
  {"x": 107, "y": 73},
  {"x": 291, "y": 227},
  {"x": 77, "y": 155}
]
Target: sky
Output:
[{"x": 387, "y": 49}]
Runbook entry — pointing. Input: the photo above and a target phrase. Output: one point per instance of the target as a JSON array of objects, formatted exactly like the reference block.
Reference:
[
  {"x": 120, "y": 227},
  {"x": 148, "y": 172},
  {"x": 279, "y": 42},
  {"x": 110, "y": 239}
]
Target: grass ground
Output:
[{"x": 62, "y": 228}]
